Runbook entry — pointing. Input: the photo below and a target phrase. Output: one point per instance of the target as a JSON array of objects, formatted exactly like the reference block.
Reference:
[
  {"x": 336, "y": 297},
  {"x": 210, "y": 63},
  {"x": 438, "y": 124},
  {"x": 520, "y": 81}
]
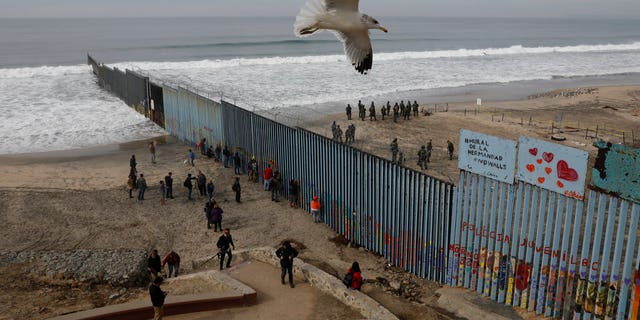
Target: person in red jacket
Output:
[
  {"x": 356, "y": 281},
  {"x": 268, "y": 174},
  {"x": 173, "y": 260}
]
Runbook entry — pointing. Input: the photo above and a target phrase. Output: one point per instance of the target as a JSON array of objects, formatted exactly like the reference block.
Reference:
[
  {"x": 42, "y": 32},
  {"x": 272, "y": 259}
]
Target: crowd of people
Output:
[
  {"x": 169, "y": 266},
  {"x": 350, "y": 134},
  {"x": 406, "y": 111},
  {"x": 424, "y": 153},
  {"x": 399, "y": 109}
]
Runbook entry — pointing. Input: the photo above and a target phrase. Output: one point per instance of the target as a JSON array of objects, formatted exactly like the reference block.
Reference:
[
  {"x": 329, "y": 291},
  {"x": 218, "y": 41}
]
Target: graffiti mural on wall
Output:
[
  {"x": 616, "y": 170},
  {"x": 487, "y": 155},
  {"x": 541, "y": 253},
  {"x": 552, "y": 166}
]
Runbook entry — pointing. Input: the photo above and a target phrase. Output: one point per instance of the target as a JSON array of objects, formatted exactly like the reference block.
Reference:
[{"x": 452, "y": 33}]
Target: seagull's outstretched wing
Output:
[
  {"x": 345, "y": 5},
  {"x": 357, "y": 46}
]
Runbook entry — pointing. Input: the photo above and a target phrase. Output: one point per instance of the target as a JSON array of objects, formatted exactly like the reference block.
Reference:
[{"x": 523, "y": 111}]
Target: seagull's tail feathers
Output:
[{"x": 307, "y": 20}]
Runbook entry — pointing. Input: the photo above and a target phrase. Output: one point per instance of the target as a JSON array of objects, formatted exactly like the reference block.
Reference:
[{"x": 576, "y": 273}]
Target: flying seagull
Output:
[{"x": 346, "y": 22}]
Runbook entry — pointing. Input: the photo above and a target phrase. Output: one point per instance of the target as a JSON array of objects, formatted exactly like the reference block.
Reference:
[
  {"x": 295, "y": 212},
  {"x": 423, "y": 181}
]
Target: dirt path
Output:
[{"x": 277, "y": 301}]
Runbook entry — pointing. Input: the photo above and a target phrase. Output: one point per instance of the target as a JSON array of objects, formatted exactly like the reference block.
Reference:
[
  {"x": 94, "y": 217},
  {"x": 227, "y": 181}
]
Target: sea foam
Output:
[{"x": 62, "y": 107}]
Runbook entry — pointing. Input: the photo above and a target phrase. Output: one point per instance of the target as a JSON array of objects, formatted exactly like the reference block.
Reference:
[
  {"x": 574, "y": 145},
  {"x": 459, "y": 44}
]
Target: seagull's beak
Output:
[{"x": 383, "y": 29}]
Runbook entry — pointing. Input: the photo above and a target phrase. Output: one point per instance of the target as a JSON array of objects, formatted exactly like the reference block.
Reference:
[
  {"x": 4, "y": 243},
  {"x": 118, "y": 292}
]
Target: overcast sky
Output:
[{"x": 431, "y": 8}]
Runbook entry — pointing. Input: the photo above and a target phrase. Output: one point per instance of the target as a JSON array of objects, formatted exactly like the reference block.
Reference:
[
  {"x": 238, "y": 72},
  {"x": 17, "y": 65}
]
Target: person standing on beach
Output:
[
  {"x": 134, "y": 175},
  {"x": 130, "y": 183},
  {"x": 372, "y": 112},
  {"x": 224, "y": 244},
  {"x": 286, "y": 253},
  {"x": 142, "y": 186},
  {"x": 168, "y": 181},
  {"x": 388, "y": 107},
  {"x": 338, "y": 134},
  {"x": 237, "y": 164},
  {"x": 210, "y": 188},
  {"x": 218, "y": 152},
  {"x": 276, "y": 185},
  {"x": 429, "y": 149},
  {"x": 199, "y": 145},
  {"x": 192, "y": 157},
  {"x": 407, "y": 111},
  {"x": 216, "y": 216},
  {"x": 209, "y": 152},
  {"x": 353, "y": 133},
  {"x": 157, "y": 298},
  {"x": 207, "y": 212},
  {"x": 202, "y": 183},
  {"x": 415, "y": 108},
  {"x": 348, "y": 111},
  {"x": 237, "y": 189},
  {"x": 394, "y": 150},
  {"x": 189, "y": 185},
  {"x": 152, "y": 151},
  {"x": 315, "y": 209},
  {"x": 363, "y": 111},
  {"x": 268, "y": 174},
  {"x": 202, "y": 145},
  {"x": 226, "y": 154},
  {"x": 401, "y": 159},
  {"x": 450, "y": 149},
  {"x": 383, "y": 111},
  {"x": 396, "y": 112},
  {"x": 163, "y": 193},
  {"x": 253, "y": 169},
  {"x": 422, "y": 158},
  {"x": 347, "y": 135},
  {"x": 293, "y": 194},
  {"x": 133, "y": 163}
]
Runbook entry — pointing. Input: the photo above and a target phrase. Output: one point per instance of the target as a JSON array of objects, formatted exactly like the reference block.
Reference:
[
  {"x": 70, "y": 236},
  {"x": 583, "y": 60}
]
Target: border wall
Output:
[
  {"x": 393, "y": 211},
  {"x": 133, "y": 88},
  {"x": 529, "y": 234},
  {"x": 525, "y": 234}
]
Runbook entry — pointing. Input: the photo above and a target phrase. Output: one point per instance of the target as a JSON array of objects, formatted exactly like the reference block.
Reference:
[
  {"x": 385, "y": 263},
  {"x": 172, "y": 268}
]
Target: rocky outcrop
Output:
[{"x": 122, "y": 267}]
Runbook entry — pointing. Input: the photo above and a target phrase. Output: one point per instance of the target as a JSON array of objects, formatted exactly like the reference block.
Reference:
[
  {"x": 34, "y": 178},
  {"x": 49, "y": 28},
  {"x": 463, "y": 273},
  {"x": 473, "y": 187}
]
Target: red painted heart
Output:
[
  {"x": 533, "y": 151},
  {"x": 547, "y": 156},
  {"x": 566, "y": 173},
  {"x": 530, "y": 167}
]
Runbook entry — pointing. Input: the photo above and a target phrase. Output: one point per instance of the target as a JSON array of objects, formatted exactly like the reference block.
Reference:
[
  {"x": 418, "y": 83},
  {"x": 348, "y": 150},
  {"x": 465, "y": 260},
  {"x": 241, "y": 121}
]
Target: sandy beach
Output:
[{"x": 77, "y": 199}]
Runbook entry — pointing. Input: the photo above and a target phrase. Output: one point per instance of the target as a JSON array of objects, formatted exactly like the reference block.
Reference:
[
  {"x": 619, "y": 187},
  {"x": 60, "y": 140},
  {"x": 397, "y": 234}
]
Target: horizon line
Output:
[{"x": 286, "y": 16}]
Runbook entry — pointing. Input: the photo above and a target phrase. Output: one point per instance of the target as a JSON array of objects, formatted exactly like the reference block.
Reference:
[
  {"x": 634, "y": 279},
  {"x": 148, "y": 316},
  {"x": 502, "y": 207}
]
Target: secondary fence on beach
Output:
[
  {"x": 564, "y": 124},
  {"x": 518, "y": 232},
  {"x": 391, "y": 210}
]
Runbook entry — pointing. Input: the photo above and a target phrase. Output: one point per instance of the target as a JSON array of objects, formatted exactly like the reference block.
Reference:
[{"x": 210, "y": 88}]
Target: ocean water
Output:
[{"x": 49, "y": 100}]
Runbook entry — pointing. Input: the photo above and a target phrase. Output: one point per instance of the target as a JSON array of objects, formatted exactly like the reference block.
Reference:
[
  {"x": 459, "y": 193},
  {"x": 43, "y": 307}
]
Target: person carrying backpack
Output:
[{"x": 353, "y": 278}]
